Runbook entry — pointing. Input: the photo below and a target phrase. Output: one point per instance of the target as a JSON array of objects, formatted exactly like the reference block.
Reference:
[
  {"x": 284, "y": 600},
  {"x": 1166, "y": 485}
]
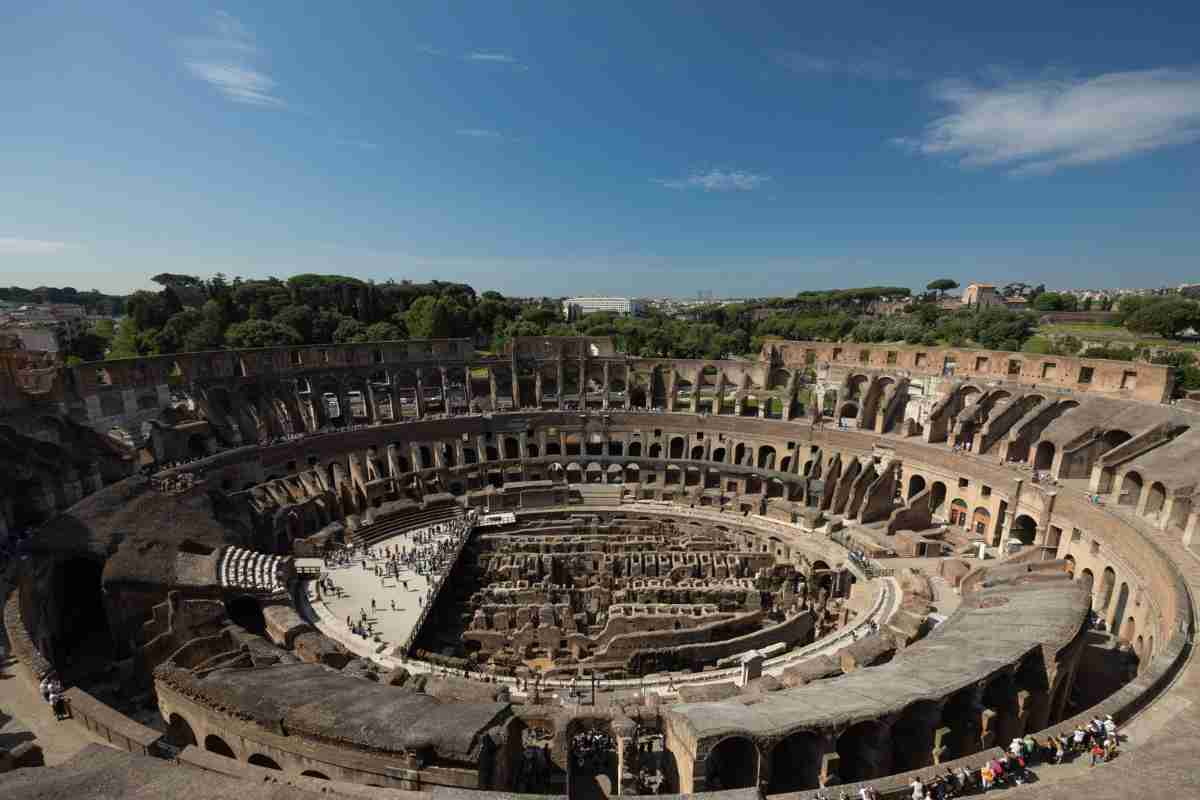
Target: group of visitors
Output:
[
  {"x": 52, "y": 692},
  {"x": 1011, "y": 767},
  {"x": 860, "y": 559},
  {"x": 964, "y": 447}
]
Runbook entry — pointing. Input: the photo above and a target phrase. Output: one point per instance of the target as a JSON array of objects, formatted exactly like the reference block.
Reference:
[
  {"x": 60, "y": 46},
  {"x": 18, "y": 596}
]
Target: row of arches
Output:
[{"x": 181, "y": 734}]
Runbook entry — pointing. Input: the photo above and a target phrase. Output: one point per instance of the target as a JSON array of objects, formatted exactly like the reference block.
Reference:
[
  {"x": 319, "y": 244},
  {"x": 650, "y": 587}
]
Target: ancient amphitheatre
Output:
[{"x": 658, "y": 594}]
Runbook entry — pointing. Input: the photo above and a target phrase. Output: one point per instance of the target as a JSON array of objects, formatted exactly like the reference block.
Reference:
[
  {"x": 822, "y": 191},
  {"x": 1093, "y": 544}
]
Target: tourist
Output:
[
  {"x": 1097, "y": 754},
  {"x": 987, "y": 776},
  {"x": 1110, "y": 727},
  {"x": 59, "y": 704},
  {"x": 918, "y": 789}
]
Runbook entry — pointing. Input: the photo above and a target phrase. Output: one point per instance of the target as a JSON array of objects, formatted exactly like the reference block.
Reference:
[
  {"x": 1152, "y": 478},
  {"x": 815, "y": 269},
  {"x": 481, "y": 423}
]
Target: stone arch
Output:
[
  {"x": 1131, "y": 489},
  {"x": 215, "y": 744},
  {"x": 718, "y": 455},
  {"x": 863, "y": 752},
  {"x": 259, "y": 760},
  {"x": 634, "y": 449},
  {"x": 81, "y": 629},
  {"x": 848, "y": 410},
  {"x": 1043, "y": 457},
  {"x": 937, "y": 497},
  {"x": 1119, "y": 612},
  {"x": 796, "y": 763},
  {"x": 656, "y": 450},
  {"x": 732, "y": 764},
  {"x": 1087, "y": 579},
  {"x": 1069, "y": 565},
  {"x": 981, "y": 518},
  {"x": 312, "y": 773},
  {"x": 912, "y": 736},
  {"x": 855, "y": 386},
  {"x": 179, "y": 732},
  {"x": 512, "y": 447},
  {"x": 958, "y": 512},
  {"x": 916, "y": 485},
  {"x": 677, "y": 447},
  {"x": 1156, "y": 499},
  {"x": 697, "y": 453},
  {"x": 1108, "y": 581},
  {"x": 1024, "y": 529},
  {"x": 766, "y": 457}
]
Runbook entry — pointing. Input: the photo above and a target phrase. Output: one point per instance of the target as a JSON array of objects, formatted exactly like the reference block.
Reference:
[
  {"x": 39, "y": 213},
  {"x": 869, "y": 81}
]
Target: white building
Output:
[{"x": 574, "y": 307}]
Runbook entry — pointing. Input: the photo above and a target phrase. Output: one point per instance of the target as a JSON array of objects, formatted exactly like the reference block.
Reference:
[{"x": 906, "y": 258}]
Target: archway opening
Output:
[
  {"x": 916, "y": 485},
  {"x": 795, "y": 763},
  {"x": 732, "y": 764},
  {"x": 179, "y": 732},
  {"x": 1043, "y": 457},
  {"x": 312, "y": 773},
  {"x": 1024, "y": 529},
  {"x": 83, "y": 641},
  {"x": 215, "y": 744},
  {"x": 259, "y": 760},
  {"x": 1131, "y": 489}
]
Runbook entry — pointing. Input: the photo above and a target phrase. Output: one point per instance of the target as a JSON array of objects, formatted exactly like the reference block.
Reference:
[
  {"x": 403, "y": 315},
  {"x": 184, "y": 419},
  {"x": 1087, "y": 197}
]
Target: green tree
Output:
[
  {"x": 261, "y": 333},
  {"x": 941, "y": 286},
  {"x": 1163, "y": 316},
  {"x": 433, "y": 318},
  {"x": 384, "y": 331},
  {"x": 125, "y": 341},
  {"x": 350, "y": 330}
]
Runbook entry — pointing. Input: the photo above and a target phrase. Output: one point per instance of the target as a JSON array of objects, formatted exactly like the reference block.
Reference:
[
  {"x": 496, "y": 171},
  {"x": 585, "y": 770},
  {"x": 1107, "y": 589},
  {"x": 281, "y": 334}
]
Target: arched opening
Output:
[
  {"x": 1087, "y": 579},
  {"x": 795, "y": 763},
  {"x": 863, "y": 752},
  {"x": 732, "y": 764},
  {"x": 1043, "y": 457},
  {"x": 1108, "y": 581},
  {"x": 937, "y": 497},
  {"x": 698, "y": 453},
  {"x": 916, "y": 485},
  {"x": 766, "y": 457},
  {"x": 1119, "y": 612},
  {"x": 1131, "y": 489},
  {"x": 1128, "y": 630},
  {"x": 676, "y": 447},
  {"x": 1156, "y": 499},
  {"x": 245, "y": 612},
  {"x": 215, "y": 744},
  {"x": 259, "y": 760},
  {"x": 312, "y": 773},
  {"x": 655, "y": 450},
  {"x": 958, "y": 512},
  {"x": 83, "y": 636},
  {"x": 981, "y": 518},
  {"x": 912, "y": 736},
  {"x": 179, "y": 732},
  {"x": 635, "y": 449},
  {"x": 848, "y": 411},
  {"x": 512, "y": 448},
  {"x": 1024, "y": 529}
]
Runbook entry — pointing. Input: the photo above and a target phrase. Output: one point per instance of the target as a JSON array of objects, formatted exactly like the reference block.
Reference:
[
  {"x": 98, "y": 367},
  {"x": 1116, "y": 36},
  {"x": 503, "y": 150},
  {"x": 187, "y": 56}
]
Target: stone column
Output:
[
  {"x": 420, "y": 394},
  {"x": 558, "y": 366},
  {"x": 469, "y": 389},
  {"x": 492, "y": 386},
  {"x": 671, "y": 391},
  {"x": 445, "y": 389},
  {"x": 537, "y": 388},
  {"x": 372, "y": 408},
  {"x": 604, "y": 391}
]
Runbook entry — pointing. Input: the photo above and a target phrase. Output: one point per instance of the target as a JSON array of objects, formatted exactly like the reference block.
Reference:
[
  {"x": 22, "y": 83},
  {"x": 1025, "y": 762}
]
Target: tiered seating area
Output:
[
  {"x": 417, "y": 518},
  {"x": 241, "y": 568},
  {"x": 599, "y": 494}
]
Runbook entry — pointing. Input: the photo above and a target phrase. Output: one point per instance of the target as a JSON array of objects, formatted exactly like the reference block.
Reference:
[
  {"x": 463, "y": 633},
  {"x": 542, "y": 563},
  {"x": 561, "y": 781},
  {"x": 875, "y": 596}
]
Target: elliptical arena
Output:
[{"x": 674, "y": 576}]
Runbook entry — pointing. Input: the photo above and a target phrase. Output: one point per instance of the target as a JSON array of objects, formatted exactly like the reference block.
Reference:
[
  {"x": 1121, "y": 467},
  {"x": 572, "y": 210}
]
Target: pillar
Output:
[
  {"x": 604, "y": 391},
  {"x": 558, "y": 366},
  {"x": 420, "y": 394},
  {"x": 492, "y": 387},
  {"x": 537, "y": 388}
]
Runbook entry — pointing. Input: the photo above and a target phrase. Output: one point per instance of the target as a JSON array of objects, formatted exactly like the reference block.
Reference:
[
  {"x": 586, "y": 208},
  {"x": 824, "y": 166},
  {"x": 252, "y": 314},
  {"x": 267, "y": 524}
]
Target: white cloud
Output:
[
  {"x": 15, "y": 246},
  {"x": 226, "y": 61},
  {"x": 716, "y": 180},
  {"x": 495, "y": 58},
  {"x": 1037, "y": 127},
  {"x": 480, "y": 133}
]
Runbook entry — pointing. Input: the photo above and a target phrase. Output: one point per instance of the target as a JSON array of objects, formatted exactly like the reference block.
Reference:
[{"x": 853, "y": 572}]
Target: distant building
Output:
[
  {"x": 981, "y": 295},
  {"x": 575, "y": 307}
]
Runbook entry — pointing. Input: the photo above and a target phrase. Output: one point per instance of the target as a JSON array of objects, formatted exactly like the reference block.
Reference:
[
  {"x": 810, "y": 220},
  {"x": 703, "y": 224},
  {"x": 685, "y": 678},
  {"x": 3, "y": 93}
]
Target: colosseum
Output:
[{"x": 404, "y": 567}]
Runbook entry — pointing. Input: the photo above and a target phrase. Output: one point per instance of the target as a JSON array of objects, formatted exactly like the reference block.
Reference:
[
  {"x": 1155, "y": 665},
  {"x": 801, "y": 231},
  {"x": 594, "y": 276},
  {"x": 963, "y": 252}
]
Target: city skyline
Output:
[{"x": 648, "y": 152}]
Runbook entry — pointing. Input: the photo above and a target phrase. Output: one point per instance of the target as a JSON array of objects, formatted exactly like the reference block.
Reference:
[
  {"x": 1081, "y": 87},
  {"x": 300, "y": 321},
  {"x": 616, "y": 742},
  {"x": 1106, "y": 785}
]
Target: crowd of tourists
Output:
[
  {"x": 426, "y": 552},
  {"x": 1097, "y": 741}
]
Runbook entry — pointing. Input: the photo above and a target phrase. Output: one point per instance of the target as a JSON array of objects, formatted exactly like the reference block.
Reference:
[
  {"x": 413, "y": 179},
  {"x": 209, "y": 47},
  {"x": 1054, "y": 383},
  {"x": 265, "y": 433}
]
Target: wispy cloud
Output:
[
  {"x": 226, "y": 59},
  {"x": 495, "y": 58},
  {"x": 1039, "y": 126},
  {"x": 871, "y": 63},
  {"x": 16, "y": 246},
  {"x": 480, "y": 133},
  {"x": 717, "y": 180}
]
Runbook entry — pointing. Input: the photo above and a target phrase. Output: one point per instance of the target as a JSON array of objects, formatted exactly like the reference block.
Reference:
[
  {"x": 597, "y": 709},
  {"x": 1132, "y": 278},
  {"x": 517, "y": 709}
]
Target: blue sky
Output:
[{"x": 554, "y": 148}]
